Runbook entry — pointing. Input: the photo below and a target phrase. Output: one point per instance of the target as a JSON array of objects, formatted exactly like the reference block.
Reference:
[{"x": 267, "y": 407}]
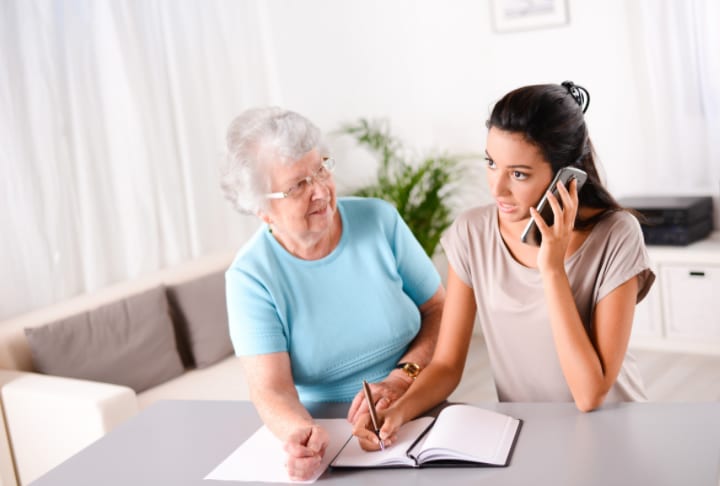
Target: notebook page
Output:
[
  {"x": 262, "y": 458},
  {"x": 470, "y": 433},
  {"x": 353, "y": 455}
]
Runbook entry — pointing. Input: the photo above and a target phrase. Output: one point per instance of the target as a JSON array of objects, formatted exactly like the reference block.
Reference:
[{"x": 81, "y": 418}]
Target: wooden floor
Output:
[{"x": 668, "y": 377}]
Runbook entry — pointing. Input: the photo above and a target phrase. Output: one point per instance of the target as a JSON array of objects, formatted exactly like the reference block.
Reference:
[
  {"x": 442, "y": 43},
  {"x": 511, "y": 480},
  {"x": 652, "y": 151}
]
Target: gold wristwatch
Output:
[{"x": 410, "y": 369}]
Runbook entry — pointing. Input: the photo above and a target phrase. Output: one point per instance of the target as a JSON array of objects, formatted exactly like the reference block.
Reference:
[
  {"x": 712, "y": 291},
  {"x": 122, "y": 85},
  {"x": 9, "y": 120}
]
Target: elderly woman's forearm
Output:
[
  {"x": 422, "y": 347},
  {"x": 281, "y": 411}
]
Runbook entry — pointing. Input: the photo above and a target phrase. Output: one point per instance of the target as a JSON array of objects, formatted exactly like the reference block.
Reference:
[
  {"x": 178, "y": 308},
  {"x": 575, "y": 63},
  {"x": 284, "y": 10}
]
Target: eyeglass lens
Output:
[{"x": 322, "y": 173}]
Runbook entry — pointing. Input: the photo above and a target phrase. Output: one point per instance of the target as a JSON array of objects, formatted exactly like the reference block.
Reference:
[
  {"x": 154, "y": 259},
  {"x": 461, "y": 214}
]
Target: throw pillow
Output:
[
  {"x": 200, "y": 314},
  {"x": 130, "y": 342}
]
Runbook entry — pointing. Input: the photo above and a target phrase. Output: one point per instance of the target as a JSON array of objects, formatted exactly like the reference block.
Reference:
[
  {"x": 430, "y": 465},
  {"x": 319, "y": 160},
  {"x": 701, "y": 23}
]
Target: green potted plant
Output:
[{"x": 423, "y": 192}]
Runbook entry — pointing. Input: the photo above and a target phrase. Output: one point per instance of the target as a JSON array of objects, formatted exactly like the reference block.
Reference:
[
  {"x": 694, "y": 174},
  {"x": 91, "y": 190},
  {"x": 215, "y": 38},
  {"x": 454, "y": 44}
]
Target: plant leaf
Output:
[{"x": 421, "y": 191}]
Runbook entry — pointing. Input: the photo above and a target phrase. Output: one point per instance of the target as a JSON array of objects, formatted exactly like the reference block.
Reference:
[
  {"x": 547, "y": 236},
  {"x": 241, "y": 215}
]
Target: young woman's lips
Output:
[{"x": 505, "y": 208}]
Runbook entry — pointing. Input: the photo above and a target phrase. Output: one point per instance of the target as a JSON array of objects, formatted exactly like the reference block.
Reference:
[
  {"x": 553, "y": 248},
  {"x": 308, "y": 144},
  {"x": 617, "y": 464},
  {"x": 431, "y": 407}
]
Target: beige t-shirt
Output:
[{"x": 511, "y": 302}]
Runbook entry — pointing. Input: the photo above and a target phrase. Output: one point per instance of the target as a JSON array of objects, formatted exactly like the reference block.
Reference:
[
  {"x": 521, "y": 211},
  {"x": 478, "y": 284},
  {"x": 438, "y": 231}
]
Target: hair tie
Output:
[{"x": 579, "y": 94}]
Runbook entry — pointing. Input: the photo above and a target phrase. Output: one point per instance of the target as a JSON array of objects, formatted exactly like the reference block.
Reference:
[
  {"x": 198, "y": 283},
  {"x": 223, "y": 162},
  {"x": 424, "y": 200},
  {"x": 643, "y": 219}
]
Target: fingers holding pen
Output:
[
  {"x": 374, "y": 418},
  {"x": 368, "y": 418},
  {"x": 391, "y": 422},
  {"x": 367, "y": 437},
  {"x": 358, "y": 407},
  {"x": 385, "y": 394}
]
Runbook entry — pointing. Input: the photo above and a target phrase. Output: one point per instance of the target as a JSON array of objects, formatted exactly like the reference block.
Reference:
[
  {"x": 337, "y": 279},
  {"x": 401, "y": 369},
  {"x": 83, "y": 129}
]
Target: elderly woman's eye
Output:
[{"x": 299, "y": 187}]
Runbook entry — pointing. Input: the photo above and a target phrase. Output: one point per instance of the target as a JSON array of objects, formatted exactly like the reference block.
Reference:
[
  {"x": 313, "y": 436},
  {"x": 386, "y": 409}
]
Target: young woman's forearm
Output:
[
  {"x": 435, "y": 384},
  {"x": 580, "y": 363},
  {"x": 438, "y": 380}
]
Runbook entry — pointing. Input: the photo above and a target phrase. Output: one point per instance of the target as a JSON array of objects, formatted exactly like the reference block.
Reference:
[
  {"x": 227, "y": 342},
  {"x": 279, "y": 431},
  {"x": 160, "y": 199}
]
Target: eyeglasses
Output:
[{"x": 300, "y": 187}]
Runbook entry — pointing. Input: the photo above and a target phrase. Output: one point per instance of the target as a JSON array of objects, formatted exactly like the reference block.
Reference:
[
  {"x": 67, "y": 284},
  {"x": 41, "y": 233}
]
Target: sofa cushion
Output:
[
  {"x": 200, "y": 314},
  {"x": 130, "y": 342},
  {"x": 225, "y": 380}
]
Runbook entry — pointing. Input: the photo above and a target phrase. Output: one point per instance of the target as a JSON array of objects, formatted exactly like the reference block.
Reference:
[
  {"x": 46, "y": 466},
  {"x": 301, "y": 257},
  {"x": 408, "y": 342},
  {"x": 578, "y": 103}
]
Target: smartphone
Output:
[{"x": 531, "y": 235}]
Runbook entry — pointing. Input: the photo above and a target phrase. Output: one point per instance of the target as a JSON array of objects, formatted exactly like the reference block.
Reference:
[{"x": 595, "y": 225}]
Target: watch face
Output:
[{"x": 412, "y": 369}]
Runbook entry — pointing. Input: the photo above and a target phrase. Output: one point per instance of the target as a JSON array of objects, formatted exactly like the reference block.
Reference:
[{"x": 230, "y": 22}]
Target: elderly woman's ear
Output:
[{"x": 264, "y": 216}]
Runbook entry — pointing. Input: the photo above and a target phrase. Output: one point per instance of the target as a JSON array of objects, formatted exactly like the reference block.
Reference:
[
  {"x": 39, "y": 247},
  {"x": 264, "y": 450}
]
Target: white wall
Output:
[{"x": 435, "y": 68}]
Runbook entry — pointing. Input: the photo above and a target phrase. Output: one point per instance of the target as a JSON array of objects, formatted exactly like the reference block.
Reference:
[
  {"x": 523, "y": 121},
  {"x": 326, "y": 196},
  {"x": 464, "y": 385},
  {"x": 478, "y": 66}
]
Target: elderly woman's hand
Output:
[
  {"x": 384, "y": 393},
  {"x": 305, "y": 449}
]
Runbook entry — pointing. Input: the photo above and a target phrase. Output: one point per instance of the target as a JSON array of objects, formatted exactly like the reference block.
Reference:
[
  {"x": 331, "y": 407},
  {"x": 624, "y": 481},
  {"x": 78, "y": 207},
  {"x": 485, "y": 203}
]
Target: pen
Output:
[{"x": 373, "y": 413}]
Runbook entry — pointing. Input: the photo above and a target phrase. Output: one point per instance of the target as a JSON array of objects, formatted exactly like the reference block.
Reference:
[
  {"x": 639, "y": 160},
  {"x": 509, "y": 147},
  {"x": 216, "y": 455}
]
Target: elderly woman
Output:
[{"x": 328, "y": 291}]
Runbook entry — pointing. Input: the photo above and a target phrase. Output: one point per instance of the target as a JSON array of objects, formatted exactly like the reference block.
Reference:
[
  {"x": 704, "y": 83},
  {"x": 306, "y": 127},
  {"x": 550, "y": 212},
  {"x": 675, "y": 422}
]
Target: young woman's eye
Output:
[
  {"x": 490, "y": 163},
  {"x": 521, "y": 176}
]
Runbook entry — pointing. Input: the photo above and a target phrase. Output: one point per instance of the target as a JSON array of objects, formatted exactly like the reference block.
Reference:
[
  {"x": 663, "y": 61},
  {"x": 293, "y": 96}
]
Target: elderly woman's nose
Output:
[{"x": 320, "y": 187}]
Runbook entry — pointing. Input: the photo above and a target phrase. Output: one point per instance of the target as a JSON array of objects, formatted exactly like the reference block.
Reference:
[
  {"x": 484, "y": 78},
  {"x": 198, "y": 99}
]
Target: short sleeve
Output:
[
  {"x": 455, "y": 243},
  {"x": 255, "y": 327},
  {"x": 625, "y": 258},
  {"x": 420, "y": 277}
]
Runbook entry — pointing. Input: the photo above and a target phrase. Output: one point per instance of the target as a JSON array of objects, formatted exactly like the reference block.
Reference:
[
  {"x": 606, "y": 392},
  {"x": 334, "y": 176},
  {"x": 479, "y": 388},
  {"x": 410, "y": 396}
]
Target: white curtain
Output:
[
  {"x": 679, "y": 53},
  {"x": 112, "y": 122}
]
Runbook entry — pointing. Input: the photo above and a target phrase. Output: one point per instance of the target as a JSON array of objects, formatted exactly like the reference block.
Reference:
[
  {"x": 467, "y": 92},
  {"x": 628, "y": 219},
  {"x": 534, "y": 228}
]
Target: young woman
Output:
[{"x": 556, "y": 317}]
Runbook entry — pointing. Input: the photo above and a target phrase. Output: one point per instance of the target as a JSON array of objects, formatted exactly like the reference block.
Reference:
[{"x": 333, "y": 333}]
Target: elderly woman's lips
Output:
[{"x": 318, "y": 211}]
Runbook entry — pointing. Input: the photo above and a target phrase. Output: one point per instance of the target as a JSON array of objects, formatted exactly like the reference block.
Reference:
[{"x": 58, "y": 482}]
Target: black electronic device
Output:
[
  {"x": 673, "y": 220},
  {"x": 676, "y": 234}
]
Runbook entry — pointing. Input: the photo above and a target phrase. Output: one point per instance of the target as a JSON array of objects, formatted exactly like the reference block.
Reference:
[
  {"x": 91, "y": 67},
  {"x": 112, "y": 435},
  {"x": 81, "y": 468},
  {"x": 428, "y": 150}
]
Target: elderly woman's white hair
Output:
[{"x": 256, "y": 139}]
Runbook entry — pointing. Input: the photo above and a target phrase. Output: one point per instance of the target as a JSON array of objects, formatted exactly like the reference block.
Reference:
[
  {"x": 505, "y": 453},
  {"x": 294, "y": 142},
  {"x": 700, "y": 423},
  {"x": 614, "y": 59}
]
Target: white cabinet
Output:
[
  {"x": 691, "y": 300},
  {"x": 648, "y": 322},
  {"x": 682, "y": 310}
]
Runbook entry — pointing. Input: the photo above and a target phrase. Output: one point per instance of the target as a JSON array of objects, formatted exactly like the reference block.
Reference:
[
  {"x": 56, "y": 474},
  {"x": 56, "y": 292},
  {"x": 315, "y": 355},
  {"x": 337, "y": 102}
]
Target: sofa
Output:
[{"x": 71, "y": 372}]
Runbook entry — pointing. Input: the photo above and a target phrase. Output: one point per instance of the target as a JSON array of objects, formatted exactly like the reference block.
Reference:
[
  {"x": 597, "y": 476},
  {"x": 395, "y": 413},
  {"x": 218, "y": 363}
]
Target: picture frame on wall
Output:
[{"x": 519, "y": 15}]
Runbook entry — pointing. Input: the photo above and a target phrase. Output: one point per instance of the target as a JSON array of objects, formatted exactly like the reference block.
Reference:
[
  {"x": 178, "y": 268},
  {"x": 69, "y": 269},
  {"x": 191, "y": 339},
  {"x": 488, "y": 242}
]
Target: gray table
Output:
[{"x": 179, "y": 442}]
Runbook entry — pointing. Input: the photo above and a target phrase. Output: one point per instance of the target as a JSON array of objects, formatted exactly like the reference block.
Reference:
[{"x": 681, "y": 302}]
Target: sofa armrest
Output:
[{"x": 50, "y": 418}]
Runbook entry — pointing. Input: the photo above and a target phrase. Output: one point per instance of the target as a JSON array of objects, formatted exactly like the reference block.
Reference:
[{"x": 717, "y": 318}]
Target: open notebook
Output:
[{"x": 461, "y": 435}]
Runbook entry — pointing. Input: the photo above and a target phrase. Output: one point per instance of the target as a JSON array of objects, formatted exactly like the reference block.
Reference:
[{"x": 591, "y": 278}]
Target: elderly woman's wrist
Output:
[
  {"x": 410, "y": 368},
  {"x": 402, "y": 376}
]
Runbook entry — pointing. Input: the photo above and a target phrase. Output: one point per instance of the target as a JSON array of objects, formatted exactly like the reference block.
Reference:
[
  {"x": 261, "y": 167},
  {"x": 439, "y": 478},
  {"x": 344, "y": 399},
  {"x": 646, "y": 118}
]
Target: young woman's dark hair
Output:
[{"x": 551, "y": 117}]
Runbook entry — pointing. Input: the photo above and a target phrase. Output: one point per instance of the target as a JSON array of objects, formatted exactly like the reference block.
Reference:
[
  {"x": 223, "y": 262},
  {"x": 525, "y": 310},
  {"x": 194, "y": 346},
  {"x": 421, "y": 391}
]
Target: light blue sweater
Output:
[{"x": 346, "y": 317}]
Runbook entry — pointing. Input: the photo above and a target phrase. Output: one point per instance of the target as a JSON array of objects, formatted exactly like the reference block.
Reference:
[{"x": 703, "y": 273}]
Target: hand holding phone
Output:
[{"x": 531, "y": 235}]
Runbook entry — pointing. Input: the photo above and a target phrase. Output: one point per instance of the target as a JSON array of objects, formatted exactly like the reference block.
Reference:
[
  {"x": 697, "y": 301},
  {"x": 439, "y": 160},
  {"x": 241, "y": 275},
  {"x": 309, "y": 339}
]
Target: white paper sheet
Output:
[{"x": 262, "y": 458}]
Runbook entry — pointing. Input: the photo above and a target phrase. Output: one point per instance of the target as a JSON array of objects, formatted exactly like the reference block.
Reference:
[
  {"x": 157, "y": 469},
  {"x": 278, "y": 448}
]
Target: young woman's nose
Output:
[{"x": 499, "y": 185}]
